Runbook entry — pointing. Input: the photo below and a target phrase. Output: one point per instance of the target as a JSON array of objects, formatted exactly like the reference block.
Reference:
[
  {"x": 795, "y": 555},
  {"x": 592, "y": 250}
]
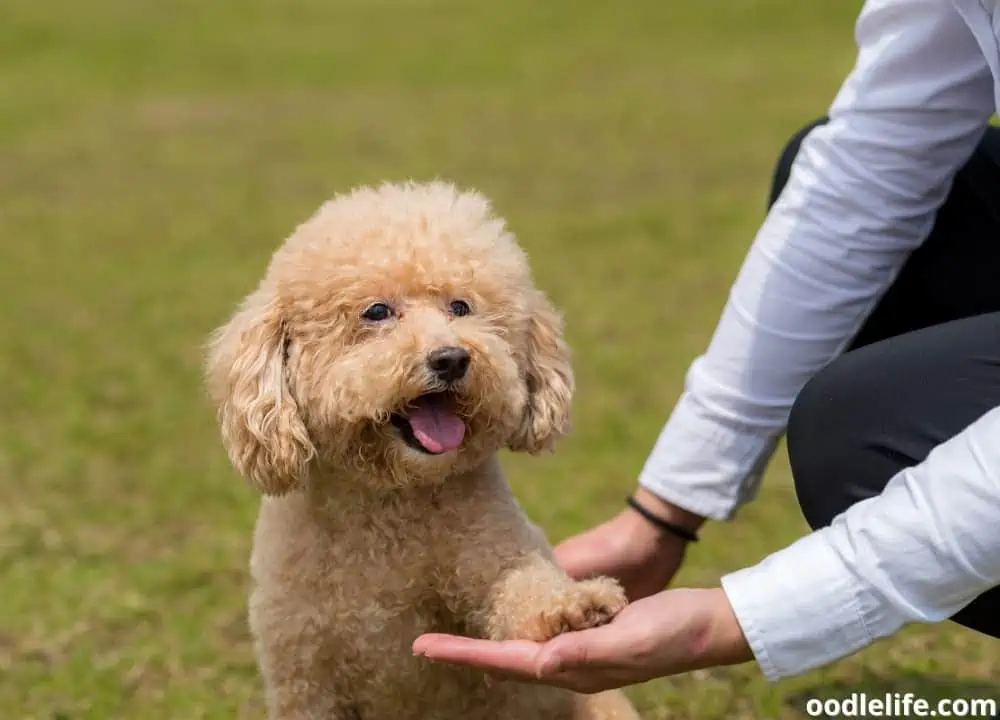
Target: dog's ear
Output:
[
  {"x": 548, "y": 376},
  {"x": 261, "y": 428}
]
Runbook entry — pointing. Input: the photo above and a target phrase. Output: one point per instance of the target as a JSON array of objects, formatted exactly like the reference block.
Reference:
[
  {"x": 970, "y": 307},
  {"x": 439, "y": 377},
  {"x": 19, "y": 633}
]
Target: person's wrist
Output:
[
  {"x": 725, "y": 643},
  {"x": 664, "y": 509}
]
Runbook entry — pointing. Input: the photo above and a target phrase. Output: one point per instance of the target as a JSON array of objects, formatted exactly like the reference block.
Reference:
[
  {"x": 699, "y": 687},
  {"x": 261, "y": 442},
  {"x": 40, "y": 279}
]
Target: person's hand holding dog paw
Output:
[{"x": 672, "y": 632}]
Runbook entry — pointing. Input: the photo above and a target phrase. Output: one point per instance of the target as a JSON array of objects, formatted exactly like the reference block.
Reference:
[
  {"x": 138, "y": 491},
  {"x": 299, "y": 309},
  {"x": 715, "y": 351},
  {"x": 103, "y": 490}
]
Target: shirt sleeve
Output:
[
  {"x": 862, "y": 194},
  {"x": 919, "y": 552}
]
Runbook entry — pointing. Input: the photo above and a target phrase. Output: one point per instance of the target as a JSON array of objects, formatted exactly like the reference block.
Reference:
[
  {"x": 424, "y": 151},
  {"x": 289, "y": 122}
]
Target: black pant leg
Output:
[
  {"x": 884, "y": 407},
  {"x": 925, "y": 364}
]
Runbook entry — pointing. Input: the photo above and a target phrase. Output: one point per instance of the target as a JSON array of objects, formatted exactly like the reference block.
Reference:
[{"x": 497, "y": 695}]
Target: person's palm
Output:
[{"x": 627, "y": 548}]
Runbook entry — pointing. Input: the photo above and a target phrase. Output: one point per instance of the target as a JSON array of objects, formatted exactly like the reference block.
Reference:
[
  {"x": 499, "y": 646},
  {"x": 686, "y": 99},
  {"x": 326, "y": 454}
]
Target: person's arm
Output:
[
  {"x": 919, "y": 552},
  {"x": 863, "y": 193}
]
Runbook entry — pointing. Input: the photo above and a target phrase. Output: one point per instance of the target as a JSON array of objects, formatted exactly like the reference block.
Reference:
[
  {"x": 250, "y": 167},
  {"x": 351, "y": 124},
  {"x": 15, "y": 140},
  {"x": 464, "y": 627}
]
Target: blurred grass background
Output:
[{"x": 152, "y": 156}]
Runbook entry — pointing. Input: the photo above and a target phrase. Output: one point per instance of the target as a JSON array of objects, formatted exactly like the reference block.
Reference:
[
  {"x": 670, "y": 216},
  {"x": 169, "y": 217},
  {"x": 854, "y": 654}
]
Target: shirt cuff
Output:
[
  {"x": 802, "y": 607},
  {"x": 707, "y": 464}
]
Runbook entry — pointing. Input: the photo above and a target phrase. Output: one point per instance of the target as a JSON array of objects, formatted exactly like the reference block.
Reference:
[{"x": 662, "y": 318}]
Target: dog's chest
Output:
[
  {"x": 354, "y": 597},
  {"x": 382, "y": 596},
  {"x": 374, "y": 577}
]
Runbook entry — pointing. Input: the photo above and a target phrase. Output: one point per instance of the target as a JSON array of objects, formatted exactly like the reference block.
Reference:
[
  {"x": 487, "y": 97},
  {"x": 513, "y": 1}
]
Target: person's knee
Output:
[
  {"x": 783, "y": 167},
  {"x": 822, "y": 445}
]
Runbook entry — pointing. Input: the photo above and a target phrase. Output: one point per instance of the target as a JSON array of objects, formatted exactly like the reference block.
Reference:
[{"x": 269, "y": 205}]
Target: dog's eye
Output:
[
  {"x": 459, "y": 308},
  {"x": 377, "y": 312}
]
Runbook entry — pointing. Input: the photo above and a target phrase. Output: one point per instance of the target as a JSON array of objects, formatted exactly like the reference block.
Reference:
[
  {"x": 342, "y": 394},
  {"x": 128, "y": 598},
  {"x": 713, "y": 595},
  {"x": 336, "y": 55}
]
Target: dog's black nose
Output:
[{"x": 449, "y": 363}]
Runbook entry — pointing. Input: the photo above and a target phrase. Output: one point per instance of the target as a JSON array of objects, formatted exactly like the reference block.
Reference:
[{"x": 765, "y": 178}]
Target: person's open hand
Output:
[{"x": 672, "y": 632}]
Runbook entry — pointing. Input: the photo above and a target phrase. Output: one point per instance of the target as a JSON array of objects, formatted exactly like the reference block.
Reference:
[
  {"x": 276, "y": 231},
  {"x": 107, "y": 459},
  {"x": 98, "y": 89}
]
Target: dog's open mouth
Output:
[{"x": 430, "y": 424}]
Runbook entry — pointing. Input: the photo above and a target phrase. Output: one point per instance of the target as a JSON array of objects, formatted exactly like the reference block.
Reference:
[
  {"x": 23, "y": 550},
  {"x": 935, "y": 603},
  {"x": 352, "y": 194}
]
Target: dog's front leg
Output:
[
  {"x": 504, "y": 583},
  {"x": 500, "y": 578},
  {"x": 535, "y": 600}
]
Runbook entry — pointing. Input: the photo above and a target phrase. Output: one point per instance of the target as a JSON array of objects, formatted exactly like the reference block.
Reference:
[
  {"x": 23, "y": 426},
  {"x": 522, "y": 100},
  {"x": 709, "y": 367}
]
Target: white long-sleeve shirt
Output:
[{"x": 863, "y": 193}]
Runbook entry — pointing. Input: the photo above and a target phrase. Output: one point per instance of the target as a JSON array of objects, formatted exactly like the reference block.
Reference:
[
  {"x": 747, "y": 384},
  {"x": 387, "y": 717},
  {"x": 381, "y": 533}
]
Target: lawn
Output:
[{"x": 152, "y": 155}]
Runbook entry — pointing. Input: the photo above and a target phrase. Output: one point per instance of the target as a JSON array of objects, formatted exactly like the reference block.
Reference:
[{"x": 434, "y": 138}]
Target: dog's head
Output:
[{"x": 397, "y": 335}]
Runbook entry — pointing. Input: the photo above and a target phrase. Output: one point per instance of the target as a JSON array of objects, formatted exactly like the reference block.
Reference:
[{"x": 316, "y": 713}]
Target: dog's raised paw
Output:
[{"x": 582, "y": 605}]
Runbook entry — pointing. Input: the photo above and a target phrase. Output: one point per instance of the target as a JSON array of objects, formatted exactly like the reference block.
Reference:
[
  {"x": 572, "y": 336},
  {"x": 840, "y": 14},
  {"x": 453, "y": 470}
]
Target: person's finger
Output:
[
  {"x": 511, "y": 662},
  {"x": 586, "y": 661},
  {"x": 517, "y": 657}
]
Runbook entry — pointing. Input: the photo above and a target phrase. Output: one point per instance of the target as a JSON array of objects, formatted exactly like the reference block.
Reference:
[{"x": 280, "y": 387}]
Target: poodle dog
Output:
[{"x": 394, "y": 346}]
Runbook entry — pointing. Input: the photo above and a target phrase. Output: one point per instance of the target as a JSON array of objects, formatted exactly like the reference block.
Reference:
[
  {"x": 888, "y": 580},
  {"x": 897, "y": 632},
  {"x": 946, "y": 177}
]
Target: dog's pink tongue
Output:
[{"x": 435, "y": 424}]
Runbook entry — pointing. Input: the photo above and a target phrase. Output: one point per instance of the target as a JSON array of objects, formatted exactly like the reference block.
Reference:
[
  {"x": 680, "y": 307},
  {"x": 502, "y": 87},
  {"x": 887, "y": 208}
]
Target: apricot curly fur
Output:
[{"x": 364, "y": 542}]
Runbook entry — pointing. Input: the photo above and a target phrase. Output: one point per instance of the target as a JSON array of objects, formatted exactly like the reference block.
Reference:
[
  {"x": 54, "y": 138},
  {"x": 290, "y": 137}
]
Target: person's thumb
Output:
[{"x": 575, "y": 557}]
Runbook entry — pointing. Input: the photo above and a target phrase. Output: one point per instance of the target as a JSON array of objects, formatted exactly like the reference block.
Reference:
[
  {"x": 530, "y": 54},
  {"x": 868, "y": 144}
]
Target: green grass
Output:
[{"x": 152, "y": 155}]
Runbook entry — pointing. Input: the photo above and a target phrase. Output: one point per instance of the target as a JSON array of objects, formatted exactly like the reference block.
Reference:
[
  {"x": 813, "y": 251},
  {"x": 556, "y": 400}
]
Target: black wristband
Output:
[{"x": 662, "y": 524}]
